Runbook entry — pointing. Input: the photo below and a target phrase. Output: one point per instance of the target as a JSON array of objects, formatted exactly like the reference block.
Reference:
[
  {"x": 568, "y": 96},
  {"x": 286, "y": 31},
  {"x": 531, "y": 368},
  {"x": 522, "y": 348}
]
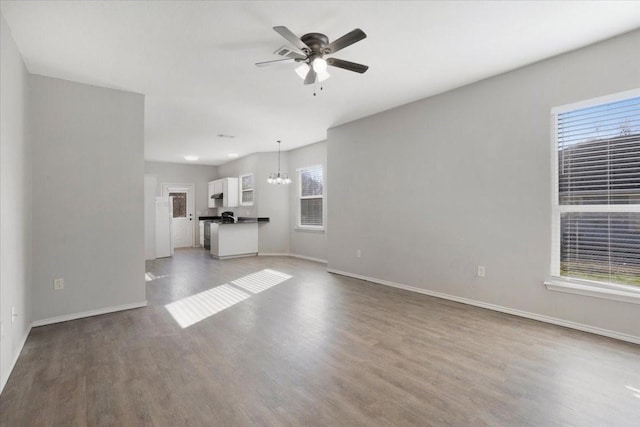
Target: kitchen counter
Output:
[
  {"x": 233, "y": 239},
  {"x": 241, "y": 219}
]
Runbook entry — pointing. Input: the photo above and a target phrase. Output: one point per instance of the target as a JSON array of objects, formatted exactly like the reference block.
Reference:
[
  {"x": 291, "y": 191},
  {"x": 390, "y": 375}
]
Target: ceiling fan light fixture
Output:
[
  {"x": 319, "y": 65},
  {"x": 303, "y": 70},
  {"x": 323, "y": 76}
]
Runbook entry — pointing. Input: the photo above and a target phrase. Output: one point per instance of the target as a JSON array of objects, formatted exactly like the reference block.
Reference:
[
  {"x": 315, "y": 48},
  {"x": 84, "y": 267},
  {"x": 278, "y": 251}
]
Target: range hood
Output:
[{"x": 217, "y": 196}]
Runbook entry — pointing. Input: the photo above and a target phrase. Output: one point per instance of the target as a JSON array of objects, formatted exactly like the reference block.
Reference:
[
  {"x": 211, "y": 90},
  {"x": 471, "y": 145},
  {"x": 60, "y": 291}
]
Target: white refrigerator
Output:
[{"x": 164, "y": 216}]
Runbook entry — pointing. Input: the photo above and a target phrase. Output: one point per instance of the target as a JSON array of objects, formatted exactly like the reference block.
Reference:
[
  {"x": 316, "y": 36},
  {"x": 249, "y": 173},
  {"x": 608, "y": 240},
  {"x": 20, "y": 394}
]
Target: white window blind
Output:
[
  {"x": 596, "y": 208},
  {"x": 311, "y": 197}
]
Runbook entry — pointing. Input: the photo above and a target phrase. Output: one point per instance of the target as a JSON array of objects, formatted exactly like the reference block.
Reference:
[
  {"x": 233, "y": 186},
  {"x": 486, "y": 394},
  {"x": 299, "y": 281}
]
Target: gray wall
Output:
[
  {"x": 269, "y": 200},
  {"x": 432, "y": 189},
  {"x": 150, "y": 188},
  {"x": 88, "y": 210},
  {"x": 303, "y": 242},
  {"x": 15, "y": 208}
]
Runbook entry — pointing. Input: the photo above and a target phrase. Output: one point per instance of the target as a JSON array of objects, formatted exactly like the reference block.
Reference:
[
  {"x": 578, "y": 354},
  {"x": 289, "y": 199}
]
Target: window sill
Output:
[
  {"x": 624, "y": 294},
  {"x": 310, "y": 230}
]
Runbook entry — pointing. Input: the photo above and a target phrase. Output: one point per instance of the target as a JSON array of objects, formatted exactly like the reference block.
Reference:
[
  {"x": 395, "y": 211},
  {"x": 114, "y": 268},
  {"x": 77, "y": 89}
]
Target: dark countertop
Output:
[{"x": 241, "y": 219}]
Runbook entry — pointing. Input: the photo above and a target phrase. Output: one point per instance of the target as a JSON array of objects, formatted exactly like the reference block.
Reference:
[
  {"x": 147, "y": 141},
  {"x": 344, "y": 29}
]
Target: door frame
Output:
[{"x": 168, "y": 187}]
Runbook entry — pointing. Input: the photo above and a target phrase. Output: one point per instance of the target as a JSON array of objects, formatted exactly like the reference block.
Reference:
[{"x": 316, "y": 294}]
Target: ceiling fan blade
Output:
[
  {"x": 311, "y": 77},
  {"x": 347, "y": 65},
  {"x": 346, "y": 40},
  {"x": 296, "y": 55},
  {"x": 276, "y": 62},
  {"x": 291, "y": 38}
]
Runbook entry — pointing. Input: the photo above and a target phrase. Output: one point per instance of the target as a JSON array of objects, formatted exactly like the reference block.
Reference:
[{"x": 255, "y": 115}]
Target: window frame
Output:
[
  {"x": 243, "y": 190},
  {"x": 593, "y": 288},
  {"x": 300, "y": 197}
]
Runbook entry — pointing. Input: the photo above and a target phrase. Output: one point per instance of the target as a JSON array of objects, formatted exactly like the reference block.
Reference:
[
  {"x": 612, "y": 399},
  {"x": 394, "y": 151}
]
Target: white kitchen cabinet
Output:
[
  {"x": 234, "y": 240},
  {"x": 223, "y": 193}
]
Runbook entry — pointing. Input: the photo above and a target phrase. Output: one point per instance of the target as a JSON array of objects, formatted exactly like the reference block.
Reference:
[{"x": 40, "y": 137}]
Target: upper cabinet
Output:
[
  {"x": 246, "y": 190},
  {"x": 223, "y": 193}
]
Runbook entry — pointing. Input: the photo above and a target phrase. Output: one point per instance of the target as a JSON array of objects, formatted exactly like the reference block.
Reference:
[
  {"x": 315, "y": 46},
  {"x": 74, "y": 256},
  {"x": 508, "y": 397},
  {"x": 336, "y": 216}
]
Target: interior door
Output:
[{"x": 182, "y": 226}]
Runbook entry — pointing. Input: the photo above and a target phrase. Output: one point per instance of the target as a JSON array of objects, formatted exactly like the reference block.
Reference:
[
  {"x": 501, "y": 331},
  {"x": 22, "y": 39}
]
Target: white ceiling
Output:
[{"x": 194, "y": 61}]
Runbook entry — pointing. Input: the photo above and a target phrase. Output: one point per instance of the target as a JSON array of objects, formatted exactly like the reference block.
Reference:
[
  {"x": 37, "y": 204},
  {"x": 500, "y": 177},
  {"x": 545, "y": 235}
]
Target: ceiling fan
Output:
[{"x": 310, "y": 50}]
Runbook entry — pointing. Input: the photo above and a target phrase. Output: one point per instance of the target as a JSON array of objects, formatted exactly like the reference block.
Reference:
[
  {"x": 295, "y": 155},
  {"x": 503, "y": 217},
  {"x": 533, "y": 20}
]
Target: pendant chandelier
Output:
[{"x": 278, "y": 177}]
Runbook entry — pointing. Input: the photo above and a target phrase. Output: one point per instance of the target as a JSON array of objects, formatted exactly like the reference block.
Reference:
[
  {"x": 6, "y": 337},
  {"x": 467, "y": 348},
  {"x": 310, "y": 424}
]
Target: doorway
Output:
[{"x": 182, "y": 224}]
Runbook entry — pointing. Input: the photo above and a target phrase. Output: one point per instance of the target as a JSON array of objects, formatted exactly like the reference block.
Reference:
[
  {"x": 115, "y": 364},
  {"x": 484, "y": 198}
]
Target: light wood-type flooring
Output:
[{"x": 315, "y": 349}]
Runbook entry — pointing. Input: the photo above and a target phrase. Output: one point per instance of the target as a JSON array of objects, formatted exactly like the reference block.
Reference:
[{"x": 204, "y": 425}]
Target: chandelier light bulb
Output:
[{"x": 278, "y": 177}]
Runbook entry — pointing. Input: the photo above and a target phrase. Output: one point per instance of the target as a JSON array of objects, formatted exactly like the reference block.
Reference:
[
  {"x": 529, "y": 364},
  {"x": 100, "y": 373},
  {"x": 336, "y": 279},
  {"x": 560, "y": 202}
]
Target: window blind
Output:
[
  {"x": 598, "y": 192},
  {"x": 311, "y": 212},
  {"x": 311, "y": 197}
]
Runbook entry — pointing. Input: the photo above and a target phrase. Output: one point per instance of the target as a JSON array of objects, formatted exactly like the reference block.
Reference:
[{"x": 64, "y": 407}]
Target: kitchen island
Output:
[{"x": 234, "y": 239}]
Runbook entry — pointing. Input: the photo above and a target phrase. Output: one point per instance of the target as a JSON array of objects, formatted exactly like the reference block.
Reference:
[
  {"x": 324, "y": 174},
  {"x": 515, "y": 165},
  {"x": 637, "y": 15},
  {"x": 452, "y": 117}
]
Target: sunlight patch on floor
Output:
[
  {"x": 198, "y": 307},
  {"x": 635, "y": 391},
  {"x": 148, "y": 277},
  {"x": 261, "y": 281}
]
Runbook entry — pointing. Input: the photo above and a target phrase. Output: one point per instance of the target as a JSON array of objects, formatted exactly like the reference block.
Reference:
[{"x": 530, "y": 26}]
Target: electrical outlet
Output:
[
  {"x": 481, "y": 271},
  {"x": 58, "y": 284},
  {"x": 358, "y": 253}
]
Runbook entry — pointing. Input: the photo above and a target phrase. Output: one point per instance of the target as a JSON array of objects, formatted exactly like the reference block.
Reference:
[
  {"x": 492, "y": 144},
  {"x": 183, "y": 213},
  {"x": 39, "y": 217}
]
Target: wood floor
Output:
[{"x": 315, "y": 349}]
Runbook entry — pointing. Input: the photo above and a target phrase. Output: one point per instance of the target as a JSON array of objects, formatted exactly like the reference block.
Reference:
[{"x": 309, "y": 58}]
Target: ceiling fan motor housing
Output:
[{"x": 317, "y": 43}]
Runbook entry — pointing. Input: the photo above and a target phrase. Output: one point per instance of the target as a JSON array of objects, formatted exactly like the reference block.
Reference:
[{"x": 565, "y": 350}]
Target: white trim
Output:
[
  {"x": 547, "y": 319},
  {"x": 598, "y": 208},
  {"x": 309, "y": 258},
  {"x": 312, "y": 167},
  {"x": 12, "y": 365},
  {"x": 89, "y": 313},
  {"x": 620, "y": 96},
  {"x": 322, "y": 261},
  {"x": 309, "y": 229},
  {"x": 555, "y": 213},
  {"x": 594, "y": 291}
]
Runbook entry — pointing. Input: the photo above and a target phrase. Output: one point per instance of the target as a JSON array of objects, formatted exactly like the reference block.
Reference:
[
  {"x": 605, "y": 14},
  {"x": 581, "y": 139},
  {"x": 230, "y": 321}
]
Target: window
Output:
[
  {"x": 246, "y": 190},
  {"x": 596, "y": 197},
  {"x": 179, "y": 204},
  {"x": 311, "y": 198}
]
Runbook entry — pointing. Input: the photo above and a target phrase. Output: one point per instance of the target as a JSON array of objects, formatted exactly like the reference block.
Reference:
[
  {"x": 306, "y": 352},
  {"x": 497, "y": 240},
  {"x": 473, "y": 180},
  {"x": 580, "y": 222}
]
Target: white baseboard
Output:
[
  {"x": 322, "y": 261},
  {"x": 542, "y": 318},
  {"x": 89, "y": 313},
  {"x": 15, "y": 360}
]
